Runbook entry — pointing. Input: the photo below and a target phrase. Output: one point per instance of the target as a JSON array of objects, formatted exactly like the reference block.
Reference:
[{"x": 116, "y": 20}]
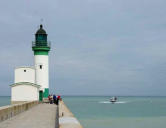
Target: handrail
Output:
[{"x": 41, "y": 44}]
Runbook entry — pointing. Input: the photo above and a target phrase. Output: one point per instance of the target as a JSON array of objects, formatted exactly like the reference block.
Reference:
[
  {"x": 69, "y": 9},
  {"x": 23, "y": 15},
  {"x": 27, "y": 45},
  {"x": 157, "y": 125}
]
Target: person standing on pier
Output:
[
  {"x": 54, "y": 99},
  {"x": 58, "y": 98},
  {"x": 49, "y": 99}
]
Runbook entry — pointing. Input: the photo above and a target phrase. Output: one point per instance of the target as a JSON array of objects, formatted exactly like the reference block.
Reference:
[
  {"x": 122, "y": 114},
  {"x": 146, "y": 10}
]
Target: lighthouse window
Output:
[
  {"x": 40, "y": 66},
  {"x": 24, "y": 70}
]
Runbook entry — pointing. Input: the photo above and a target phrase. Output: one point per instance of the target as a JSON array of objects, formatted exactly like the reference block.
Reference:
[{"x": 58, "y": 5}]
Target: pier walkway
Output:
[{"x": 40, "y": 116}]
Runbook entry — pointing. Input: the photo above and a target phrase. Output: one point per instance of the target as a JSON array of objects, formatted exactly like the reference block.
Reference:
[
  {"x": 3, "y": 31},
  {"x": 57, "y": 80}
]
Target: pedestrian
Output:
[
  {"x": 49, "y": 98},
  {"x": 54, "y": 99},
  {"x": 58, "y": 98}
]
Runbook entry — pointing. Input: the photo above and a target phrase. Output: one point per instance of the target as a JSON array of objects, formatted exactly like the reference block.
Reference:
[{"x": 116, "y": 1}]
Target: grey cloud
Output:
[{"x": 99, "y": 47}]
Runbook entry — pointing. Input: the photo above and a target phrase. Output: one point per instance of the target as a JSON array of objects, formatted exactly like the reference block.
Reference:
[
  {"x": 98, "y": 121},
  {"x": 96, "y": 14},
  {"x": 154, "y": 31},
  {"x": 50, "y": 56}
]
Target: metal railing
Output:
[{"x": 41, "y": 44}]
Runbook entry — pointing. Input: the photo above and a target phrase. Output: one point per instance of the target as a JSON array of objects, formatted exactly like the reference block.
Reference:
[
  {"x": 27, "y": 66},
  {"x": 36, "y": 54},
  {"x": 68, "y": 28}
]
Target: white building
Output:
[{"x": 32, "y": 83}]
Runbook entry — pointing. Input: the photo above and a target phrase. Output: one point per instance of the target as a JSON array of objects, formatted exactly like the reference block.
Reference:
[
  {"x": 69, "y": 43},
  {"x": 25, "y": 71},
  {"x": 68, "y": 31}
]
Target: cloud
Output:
[{"x": 99, "y": 47}]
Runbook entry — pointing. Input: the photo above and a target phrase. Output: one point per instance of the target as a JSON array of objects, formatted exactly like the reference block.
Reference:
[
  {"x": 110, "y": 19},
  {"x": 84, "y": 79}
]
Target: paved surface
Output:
[{"x": 40, "y": 116}]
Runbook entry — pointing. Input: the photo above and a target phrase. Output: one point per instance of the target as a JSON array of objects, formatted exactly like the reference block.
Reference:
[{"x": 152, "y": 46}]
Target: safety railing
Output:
[{"x": 41, "y": 44}]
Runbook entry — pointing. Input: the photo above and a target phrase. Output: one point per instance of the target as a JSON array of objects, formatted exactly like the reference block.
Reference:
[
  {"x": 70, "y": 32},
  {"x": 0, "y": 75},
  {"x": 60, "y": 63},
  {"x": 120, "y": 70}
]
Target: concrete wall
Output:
[
  {"x": 7, "y": 112},
  {"x": 24, "y": 74},
  {"x": 66, "y": 118},
  {"x": 24, "y": 93},
  {"x": 42, "y": 74}
]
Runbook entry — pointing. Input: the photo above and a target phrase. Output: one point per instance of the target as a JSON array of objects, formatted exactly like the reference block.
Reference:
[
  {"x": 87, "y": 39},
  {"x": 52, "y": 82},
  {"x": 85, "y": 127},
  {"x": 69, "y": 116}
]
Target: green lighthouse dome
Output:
[{"x": 41, "y": 30}]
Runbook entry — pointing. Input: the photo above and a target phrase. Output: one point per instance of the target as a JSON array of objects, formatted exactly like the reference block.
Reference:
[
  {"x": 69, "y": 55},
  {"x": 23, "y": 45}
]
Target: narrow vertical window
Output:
[{"x": 40, "y": 66}]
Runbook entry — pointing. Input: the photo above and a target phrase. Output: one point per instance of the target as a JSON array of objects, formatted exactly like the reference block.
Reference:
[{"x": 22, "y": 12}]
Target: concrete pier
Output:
[
  {"x": 9, "y": 111},
  {"x": 34, "y": 115},
  {"x": 40, "y": 116},
  {"x": 66, "y": 117}
]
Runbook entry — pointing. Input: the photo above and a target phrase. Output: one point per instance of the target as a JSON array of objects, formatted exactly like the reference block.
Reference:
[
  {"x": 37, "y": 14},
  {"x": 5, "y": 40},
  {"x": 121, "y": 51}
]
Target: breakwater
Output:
[
  {"x": 9, "y": 111},
  {"x": 40, "y": 116},
  {"x": 49, "y": 115}
]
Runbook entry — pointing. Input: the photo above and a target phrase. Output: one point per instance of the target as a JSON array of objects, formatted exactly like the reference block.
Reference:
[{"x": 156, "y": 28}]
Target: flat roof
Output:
[
  {"x": 25, "y": 83},
  {"x": 32, "y": 67}
]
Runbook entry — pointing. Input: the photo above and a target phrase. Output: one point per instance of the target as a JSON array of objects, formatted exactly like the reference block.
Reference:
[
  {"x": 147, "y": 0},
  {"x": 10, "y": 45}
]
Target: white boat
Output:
[{"x": 113, "y": 99}]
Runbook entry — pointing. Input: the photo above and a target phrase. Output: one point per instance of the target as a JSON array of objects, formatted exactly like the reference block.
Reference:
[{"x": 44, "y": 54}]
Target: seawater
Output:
[
  {"x": 4, "y": 100},
  {"x": 128, "y": 112}
]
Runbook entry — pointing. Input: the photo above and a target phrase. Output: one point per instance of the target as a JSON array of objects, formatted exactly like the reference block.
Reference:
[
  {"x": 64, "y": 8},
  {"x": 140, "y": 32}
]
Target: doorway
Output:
[{"x": 40, "y": 95}]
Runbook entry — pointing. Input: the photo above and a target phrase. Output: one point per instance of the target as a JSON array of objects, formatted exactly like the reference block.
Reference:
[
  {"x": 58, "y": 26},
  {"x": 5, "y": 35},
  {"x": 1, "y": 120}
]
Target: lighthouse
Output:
[{"x": 41, "y": 48}]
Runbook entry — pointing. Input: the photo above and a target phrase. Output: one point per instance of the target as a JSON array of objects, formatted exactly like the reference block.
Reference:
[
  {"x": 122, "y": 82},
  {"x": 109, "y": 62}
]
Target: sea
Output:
[{"x": 127, "y": 112}]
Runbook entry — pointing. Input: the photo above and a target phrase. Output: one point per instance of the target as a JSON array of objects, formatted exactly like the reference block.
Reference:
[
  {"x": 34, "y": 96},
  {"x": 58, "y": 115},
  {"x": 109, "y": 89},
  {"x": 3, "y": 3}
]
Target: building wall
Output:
[
  {"x": 42, "y": 73},
  {"x": 24, "y": 74},
  {"x": 24, "y": 93}
]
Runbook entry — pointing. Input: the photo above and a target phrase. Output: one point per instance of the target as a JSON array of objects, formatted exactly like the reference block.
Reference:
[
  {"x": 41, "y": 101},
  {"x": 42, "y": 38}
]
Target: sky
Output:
[{"x": 98, "y": 47}]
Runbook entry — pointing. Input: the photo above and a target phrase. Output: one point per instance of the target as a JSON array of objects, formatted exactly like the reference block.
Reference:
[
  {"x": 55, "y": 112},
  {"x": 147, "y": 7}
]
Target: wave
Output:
[{"x": 108, "y": 102}]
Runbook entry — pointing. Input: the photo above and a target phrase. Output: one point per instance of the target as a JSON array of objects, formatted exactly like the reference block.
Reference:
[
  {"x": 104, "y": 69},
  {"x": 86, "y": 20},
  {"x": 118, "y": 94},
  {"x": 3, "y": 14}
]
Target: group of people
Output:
[{"x": 53, "y": 99}]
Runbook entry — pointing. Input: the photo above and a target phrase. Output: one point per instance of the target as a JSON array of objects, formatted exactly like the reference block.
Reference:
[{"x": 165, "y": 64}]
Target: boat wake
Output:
[{"x": 108, "y": 102}]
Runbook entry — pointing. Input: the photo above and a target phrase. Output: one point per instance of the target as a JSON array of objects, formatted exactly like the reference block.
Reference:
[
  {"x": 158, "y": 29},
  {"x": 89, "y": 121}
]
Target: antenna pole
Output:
[{"x": 41, "y": 20}]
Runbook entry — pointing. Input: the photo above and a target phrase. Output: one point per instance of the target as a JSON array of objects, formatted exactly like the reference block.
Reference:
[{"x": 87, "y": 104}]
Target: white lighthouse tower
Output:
[{"x": 41, "y": 48}]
